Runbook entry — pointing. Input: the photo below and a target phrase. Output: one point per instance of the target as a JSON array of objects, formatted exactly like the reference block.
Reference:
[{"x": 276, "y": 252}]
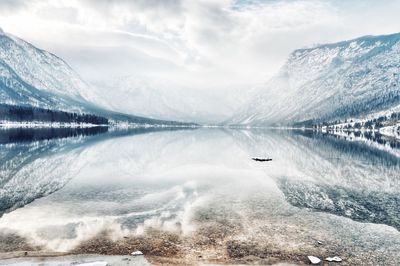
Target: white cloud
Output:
[{"x": 198, "y": 43}]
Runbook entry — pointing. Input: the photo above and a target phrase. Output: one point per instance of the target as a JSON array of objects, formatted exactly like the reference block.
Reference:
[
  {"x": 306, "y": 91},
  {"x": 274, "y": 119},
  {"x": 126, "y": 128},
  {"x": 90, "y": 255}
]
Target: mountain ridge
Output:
[
  {"x": 330, "y": 81},
  {"x": 30, "y": 76}
]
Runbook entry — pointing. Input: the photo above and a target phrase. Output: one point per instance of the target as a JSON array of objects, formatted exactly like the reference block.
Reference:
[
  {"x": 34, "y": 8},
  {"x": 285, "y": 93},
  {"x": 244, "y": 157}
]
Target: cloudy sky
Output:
[{"x": 196, "y": 43}]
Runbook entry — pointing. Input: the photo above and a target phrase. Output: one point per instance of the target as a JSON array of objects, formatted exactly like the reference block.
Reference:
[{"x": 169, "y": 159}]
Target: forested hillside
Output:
[{"x": 12, "y": 113}]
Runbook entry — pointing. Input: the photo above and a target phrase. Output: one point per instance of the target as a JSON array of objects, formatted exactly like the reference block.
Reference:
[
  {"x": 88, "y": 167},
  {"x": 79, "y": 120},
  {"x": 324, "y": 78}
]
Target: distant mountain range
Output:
[
  {"x": 325, "y": 83},
  {"x": 31, "y": 77},
  {"x": 164, "y": 99},
  {"x": 352, "y": 78}
]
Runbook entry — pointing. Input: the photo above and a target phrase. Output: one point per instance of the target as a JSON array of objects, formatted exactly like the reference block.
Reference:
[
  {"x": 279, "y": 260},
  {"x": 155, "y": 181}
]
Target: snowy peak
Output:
[
  {"x": 165, "y": 99},
  {"x": 322, "y": 60},
  {"x": 348, "y": 78},
  {"x": 42, "y": 69},
  {"x": 357, "y": 44},
  {"x": 36, "y": 79}
]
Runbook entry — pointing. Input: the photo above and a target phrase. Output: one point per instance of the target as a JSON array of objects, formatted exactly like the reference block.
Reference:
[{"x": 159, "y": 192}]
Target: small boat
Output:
[{"x": 261, "y": 159}]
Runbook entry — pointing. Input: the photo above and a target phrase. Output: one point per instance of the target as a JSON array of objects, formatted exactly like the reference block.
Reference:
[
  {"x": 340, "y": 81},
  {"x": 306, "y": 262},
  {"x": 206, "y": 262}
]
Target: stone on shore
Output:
[
  {"x": 334, "y": 259},
  {"x": 314, "y": 260},
  {"x": 137, "y": 253}
]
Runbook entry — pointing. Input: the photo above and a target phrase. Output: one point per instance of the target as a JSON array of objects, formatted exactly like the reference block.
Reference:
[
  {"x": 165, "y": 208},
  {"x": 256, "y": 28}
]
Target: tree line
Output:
[{"x": 15, "y": 113}]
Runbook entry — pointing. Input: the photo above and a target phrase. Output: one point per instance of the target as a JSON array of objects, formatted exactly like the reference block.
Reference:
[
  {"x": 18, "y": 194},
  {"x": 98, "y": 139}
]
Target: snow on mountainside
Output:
[
  {"x": 42, "y": 69},
  {"x": 163, "y": 99},
  {"x": 36, "y": 78},
  {"x": 332, "y": 81},
  {"x": 30, "y": 76}
]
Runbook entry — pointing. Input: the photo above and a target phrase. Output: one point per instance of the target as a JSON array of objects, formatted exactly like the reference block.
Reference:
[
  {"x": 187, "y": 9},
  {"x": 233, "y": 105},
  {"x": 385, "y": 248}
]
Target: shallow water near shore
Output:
[{"x": 196, "y": 196}]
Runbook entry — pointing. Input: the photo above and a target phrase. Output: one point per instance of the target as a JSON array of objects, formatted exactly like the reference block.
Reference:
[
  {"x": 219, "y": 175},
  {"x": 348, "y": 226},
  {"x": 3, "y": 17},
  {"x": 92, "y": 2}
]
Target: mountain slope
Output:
[
  {"x": 333, "y": 81},
  {"x": 164, "y": 99},
  {"x": 33, "y": 77},
  {"x": 42, "y": 69},
  {"x": 26, "y": 80}
]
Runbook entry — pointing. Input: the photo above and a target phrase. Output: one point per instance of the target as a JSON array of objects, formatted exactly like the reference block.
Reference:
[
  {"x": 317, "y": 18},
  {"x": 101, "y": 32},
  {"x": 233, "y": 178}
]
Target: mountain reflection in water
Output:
[{"x": 202, "y": 187}]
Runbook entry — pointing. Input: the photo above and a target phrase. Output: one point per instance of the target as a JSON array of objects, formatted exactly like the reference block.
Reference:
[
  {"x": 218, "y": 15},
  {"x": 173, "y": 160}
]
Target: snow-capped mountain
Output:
[
  {"x": 332, "y": 81},
  {"x": 36, "y": 77},
  {"x": 164, "y": 99},
  {"x": 33, "y": 77}
]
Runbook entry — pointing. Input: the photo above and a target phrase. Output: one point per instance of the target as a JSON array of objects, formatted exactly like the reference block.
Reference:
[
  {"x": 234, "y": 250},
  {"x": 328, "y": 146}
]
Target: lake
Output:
[{"x": 195, "y": 195}]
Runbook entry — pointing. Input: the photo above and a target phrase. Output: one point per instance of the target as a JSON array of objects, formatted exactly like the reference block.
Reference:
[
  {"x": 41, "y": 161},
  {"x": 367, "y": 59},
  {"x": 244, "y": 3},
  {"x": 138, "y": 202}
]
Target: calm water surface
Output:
[{"x": 60, "y": 190}]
